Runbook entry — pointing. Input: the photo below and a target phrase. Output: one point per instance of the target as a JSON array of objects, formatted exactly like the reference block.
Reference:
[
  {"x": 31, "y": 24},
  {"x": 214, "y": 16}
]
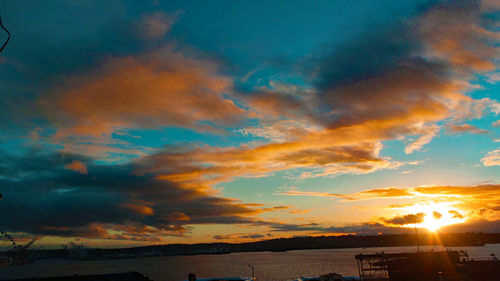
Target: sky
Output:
[{"x": 150, "y": 122}]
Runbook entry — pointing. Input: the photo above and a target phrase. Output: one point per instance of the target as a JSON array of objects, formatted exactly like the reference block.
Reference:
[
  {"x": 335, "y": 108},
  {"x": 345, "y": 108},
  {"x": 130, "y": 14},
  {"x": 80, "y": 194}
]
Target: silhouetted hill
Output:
[{"x": 281, "y": 244}]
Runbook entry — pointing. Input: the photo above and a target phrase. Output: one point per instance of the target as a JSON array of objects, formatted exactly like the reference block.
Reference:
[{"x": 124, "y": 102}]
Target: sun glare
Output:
[{"x": 436, "y": 216}]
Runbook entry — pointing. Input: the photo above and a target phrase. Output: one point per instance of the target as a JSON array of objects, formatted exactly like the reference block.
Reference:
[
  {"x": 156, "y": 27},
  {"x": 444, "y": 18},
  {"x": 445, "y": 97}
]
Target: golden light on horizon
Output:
[{"x": 436, "y": 216}]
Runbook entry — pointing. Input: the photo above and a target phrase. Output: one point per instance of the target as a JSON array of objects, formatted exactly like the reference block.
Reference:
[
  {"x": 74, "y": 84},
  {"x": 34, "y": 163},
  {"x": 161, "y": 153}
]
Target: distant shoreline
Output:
[{"x": 274, "y": 245}]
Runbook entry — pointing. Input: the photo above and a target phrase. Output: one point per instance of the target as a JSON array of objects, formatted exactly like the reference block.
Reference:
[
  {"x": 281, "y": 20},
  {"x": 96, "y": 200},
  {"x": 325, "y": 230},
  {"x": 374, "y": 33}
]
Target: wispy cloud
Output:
[
  {"x": 466, "y": 128},
  {"x": 371, "y": 194},
  {"x": 492, "y": 158},
  {"x": 309, "y": 193},
  {"x": 155, "y": 25}
]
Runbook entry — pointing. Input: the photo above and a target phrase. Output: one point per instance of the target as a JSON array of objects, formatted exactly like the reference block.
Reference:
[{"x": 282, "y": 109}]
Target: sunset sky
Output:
[{"x": 147, "y": 122}]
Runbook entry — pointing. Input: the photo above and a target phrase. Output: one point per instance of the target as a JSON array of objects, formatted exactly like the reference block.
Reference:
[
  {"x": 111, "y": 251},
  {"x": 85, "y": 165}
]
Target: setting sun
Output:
[{"x": 437, "y": 216}]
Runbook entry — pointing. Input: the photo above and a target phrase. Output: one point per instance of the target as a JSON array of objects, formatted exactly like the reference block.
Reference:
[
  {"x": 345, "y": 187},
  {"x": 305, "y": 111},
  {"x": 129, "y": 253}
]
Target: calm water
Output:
[{"x": 269, "y": 266}]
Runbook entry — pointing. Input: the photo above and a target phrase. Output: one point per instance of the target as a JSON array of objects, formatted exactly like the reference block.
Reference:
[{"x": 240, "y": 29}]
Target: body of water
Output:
[{"x": 269, "y": 266}]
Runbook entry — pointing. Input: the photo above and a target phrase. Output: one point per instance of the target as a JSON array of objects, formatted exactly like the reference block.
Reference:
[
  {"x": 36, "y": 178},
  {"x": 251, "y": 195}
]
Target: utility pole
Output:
[{"x": 416, "y": 236}]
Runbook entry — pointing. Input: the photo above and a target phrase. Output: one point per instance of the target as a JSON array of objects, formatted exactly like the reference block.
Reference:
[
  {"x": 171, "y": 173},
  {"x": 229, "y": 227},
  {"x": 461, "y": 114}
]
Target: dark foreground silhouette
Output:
[{"x": 128, "y": 276}]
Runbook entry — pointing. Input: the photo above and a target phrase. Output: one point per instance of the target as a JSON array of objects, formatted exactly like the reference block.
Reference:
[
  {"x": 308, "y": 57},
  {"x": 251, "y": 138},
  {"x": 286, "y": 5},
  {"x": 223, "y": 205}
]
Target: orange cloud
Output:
[
  {"x": 363, "y": 195},
  {"x": 77, "y": 166},
  {"x": 380, "y": 193},
  {"x": 126, "y": 232},
  {"x": 329, "y": 153},
  {"x": 177, "y": 216},
  {"x": 161, "y": 88},
  {"x": 474, "y": 203},
  {"x": 466, "y": 128},
  {"x": 479, "y": 202},
  {"x": 401, "y": 104},
  {"x": 140, "y": 209},
  {"x": 437, "y": 215},
  {"x": 454, "y": 34},
  {"x": 492, "y": 158}
]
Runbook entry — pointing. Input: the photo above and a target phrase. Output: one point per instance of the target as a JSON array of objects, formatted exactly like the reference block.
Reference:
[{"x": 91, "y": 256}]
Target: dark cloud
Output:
[
  {"x": 473, "y": 226},
  {"x": 238, "y": 236},
  {"x": 35, "y": 163},
  {"x": 46, "y": 198},
  {"x": 369, "y": 55},
  {"x": 406, "y": 219},
  {"x": 368, "y": 228},
  {"x": 72, "y": 41},
  {"x": 252, "y": 236},
  {"x": 221, "y": 237}
]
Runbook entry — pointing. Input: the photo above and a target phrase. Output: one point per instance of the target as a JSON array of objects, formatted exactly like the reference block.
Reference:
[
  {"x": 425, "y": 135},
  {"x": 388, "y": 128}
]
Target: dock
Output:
[{"x": 426, "y": 266}]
